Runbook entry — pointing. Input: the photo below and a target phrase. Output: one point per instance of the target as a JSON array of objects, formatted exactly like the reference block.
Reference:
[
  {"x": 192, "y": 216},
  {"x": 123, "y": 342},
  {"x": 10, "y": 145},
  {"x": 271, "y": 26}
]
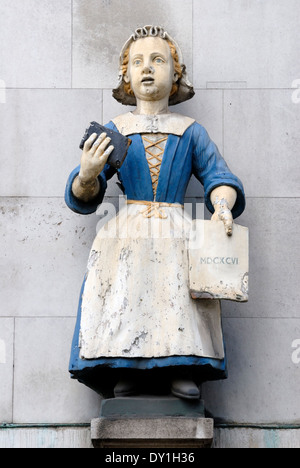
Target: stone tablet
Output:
[{"x": 218, "y": 264}]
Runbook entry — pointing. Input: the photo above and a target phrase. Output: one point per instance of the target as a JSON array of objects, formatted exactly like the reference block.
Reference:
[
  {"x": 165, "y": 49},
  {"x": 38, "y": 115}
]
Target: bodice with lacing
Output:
[{"x": 154, "y": 147}]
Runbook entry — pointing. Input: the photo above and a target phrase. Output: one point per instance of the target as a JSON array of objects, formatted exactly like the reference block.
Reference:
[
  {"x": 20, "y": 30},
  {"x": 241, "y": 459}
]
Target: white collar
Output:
[{"x": 129, "y": 123}]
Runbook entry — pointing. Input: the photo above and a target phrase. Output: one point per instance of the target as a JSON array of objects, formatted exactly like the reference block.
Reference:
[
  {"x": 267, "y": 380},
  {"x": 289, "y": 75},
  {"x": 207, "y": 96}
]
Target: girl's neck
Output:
[{"x": 152, "y": 107}]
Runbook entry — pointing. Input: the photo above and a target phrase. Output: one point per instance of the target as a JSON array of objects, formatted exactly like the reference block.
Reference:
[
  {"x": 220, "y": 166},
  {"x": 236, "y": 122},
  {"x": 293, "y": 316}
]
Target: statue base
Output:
[{"x": 152, "y": 422}]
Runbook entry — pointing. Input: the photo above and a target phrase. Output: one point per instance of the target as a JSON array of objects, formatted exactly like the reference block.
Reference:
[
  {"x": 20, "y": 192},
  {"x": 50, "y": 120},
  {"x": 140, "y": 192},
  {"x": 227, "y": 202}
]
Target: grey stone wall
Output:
[{"x": 59, "y": 62}]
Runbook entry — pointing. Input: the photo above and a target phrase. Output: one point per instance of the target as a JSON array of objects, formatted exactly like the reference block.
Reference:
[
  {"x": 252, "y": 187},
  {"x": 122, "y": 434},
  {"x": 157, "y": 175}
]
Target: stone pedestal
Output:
[{"x": 149, "y": 422}]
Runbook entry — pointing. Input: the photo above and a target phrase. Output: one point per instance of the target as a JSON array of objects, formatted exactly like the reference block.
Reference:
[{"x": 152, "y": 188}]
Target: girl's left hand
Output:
[{"x": 223, "y": 213}]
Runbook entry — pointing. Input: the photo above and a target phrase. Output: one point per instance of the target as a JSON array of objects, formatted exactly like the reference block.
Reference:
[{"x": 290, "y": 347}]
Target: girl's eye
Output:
[
  {"x": 137, "y": 62},
  {"x": 159, "y": 60}
]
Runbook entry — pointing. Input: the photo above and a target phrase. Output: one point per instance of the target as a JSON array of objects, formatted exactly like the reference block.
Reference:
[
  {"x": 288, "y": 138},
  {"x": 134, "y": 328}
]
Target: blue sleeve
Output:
[
  {"x": 85, "y": 208},
  {"x": 212, "y": 171}
]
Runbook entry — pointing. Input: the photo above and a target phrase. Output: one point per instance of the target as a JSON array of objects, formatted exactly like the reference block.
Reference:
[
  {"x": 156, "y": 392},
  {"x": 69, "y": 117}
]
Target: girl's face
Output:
[{"x": 150, "y": 69}]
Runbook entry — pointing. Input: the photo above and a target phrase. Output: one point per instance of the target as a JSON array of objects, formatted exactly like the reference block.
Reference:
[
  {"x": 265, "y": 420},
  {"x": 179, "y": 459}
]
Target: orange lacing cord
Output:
[{"x": 154, "y": 160}]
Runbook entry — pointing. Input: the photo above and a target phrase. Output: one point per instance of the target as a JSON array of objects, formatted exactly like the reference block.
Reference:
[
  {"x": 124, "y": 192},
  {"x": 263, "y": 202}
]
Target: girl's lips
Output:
[{"x": 148, "y": 79}]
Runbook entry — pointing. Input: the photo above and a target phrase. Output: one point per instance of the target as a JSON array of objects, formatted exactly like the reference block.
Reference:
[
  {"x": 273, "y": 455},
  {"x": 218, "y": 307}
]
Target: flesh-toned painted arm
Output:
[
  {"x": 96, "y": 151},
  {"x": 223, "y": 199}
]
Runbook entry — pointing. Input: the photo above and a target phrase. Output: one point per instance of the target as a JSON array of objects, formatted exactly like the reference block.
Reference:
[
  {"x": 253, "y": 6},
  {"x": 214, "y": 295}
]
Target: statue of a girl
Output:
[{"x": 138, "y": 328}]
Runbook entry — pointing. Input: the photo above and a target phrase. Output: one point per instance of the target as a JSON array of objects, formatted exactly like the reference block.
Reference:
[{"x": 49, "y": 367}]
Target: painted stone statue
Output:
[{"x": 138, "y": 328}]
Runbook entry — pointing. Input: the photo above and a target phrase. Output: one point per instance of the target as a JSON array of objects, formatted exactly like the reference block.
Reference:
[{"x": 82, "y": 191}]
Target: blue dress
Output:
[{"x": 192, "y": 153}]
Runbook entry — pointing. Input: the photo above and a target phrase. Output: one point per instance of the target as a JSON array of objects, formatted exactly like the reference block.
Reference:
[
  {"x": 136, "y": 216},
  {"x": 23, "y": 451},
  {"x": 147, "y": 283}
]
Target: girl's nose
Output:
[{"x": 148, "y": 69}]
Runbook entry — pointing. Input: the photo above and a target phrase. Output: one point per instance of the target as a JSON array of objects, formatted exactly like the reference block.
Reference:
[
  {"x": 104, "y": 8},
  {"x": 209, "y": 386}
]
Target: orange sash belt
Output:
[{"x": 154, "y": 208}]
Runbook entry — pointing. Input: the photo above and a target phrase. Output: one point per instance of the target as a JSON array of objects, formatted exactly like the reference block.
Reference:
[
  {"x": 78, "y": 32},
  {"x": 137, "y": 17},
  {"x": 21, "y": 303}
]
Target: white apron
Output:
[{"x": 136, "y": 301}]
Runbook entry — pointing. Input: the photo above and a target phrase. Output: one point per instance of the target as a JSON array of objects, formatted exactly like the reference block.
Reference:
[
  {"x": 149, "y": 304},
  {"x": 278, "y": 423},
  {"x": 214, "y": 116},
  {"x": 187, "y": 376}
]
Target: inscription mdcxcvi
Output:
[{"x": 219, "y": 261}]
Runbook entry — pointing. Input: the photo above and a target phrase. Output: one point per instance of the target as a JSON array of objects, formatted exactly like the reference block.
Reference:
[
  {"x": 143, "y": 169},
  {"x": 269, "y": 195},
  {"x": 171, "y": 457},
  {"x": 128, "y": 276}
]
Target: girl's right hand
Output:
[{"x": 95, "y": 154}]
